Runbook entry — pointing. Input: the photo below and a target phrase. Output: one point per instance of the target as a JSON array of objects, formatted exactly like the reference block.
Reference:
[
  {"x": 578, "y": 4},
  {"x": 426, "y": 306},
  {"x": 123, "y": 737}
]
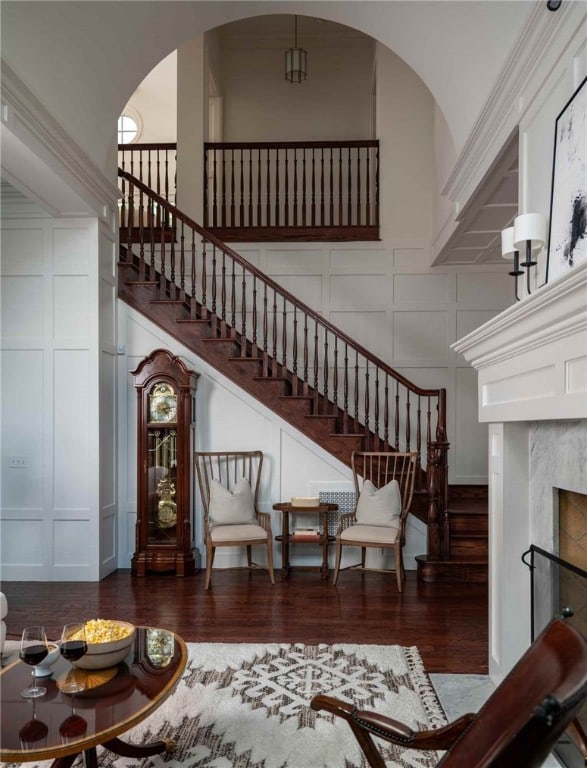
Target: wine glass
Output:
[
  {"x": 33, "y": 649},
  {"x": 73, "y": 647}
]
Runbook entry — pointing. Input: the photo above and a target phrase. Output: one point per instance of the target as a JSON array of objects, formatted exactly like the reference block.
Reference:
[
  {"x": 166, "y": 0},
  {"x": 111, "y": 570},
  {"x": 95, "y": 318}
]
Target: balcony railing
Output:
[
  {"x": 280, "y": 191},
  {"x": 308, "y": 190}
]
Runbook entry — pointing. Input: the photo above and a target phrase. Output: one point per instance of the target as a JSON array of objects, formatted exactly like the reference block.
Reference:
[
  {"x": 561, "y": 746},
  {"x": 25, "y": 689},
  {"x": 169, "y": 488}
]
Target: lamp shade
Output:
[
  {"x": 296, "y": 65},
  {"x": 529, "y": 228},
  {"x": 507, "y": 243}
]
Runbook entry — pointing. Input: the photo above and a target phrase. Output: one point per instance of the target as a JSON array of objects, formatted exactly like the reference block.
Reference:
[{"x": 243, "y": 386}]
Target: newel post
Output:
[{"x": 437, "y": 486}]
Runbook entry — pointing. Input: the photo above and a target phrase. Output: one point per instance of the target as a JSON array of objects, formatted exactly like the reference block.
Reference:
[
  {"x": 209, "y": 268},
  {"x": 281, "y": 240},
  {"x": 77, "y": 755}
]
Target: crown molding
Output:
[
  {"x": 529, "y": 58},
  {"x": 32, "y": 124}
]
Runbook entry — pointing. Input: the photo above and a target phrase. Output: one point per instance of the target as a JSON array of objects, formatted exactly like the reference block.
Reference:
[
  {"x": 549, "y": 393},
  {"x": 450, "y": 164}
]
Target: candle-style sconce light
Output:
[
  {"x": 509, "y": 251},
  {"x": 527, "y": 236}
]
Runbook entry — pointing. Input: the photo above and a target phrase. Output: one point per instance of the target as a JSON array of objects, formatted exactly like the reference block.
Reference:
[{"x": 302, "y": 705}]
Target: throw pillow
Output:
[
  {"x": 236, "y": 507},
  {"x": 379, "y": 506}
]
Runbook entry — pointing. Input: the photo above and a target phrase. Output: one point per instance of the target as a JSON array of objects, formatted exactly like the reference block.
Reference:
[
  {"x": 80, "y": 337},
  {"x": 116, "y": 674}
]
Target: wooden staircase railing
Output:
[
  {"x": 345, "y": 383},
  {"x": 305, "y": 190},
  {"x": 313, "y": 190}
]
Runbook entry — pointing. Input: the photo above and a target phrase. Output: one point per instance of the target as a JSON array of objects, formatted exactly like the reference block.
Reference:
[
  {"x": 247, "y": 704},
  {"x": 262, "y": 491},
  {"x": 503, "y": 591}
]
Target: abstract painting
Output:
[{"x": 567, "y": 245}]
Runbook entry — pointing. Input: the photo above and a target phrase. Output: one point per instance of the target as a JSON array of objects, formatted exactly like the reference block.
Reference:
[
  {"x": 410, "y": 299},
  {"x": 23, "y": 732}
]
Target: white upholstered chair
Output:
[
  {"x": 229, "y": 483},
  {"x": 384, "y": 486}
]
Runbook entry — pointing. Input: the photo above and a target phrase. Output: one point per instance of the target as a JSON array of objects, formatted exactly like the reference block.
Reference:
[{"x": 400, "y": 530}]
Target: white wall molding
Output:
[
  {"x": 532, "y": 358},
  {"x": 543, "y": 37},
  {"x": 31, "y": 123}
]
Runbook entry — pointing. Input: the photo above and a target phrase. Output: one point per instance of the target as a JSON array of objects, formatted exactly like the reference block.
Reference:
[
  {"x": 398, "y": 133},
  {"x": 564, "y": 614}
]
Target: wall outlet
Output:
[{"x": 18, "y": 462}]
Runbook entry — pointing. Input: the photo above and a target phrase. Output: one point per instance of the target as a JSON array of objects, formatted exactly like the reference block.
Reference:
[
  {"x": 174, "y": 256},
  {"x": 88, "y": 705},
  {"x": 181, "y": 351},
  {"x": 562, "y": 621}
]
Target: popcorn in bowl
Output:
[
  {"x": 105, "y": 631},
  {"x": 108, "y": 643}
]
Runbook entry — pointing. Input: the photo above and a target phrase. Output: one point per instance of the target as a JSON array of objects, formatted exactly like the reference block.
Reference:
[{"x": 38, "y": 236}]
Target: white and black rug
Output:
[{"x": 248, "y": 706}]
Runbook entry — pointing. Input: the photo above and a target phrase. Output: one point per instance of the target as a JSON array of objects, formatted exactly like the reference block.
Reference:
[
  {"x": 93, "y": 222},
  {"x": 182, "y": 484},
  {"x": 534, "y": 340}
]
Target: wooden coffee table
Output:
[{"x": 58, "y": 727}]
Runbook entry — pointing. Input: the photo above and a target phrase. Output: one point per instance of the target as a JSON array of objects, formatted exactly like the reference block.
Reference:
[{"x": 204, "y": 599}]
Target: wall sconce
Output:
[
  {"x": 296, "y": 60},
  {"x": 509, "y": 251},
  {"x": 527, "y": 235}
]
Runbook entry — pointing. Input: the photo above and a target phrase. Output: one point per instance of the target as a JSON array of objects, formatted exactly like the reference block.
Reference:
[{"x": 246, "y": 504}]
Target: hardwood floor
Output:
[{"x": 447, "y": 622}]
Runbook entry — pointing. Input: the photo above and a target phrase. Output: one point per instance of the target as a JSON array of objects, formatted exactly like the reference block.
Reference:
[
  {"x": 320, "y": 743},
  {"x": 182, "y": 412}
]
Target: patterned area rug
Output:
[{"x": 247, "y": 706}]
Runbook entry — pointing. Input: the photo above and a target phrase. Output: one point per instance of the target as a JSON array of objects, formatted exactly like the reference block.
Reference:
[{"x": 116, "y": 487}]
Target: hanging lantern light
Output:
[{"x": 296, "y": 60}]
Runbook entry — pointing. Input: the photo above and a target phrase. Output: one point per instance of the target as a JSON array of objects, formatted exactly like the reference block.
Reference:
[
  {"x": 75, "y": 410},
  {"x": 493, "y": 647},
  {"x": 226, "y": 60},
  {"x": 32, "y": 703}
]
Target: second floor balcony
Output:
[{"x": 306, "y": 191}]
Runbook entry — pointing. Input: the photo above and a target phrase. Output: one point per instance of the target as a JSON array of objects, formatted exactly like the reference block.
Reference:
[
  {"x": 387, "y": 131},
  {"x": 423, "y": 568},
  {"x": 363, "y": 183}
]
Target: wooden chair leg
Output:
[
  {"x": 363, "y": 556},
  {"x": 209, "y": 561},
  {"x": 337, "y": 564},
  {"x": 249, "y": 555},
  {"x": 398, "y": 567},
  {"x": 270, "y": 559}
]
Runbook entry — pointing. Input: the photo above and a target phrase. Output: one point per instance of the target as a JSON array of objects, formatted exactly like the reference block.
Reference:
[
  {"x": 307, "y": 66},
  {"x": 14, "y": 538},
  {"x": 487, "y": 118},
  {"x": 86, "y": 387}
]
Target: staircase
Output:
[{"x": 280, "y": 351}]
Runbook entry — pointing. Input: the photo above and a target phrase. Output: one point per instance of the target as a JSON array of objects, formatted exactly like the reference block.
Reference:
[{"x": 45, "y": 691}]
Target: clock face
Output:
[{"x": 162, "y": 404}]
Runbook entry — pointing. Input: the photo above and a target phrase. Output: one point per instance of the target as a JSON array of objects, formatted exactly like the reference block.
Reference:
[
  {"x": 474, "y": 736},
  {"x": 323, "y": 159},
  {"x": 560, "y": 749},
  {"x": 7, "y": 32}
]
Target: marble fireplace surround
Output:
[{"x": 531, "y": 362}]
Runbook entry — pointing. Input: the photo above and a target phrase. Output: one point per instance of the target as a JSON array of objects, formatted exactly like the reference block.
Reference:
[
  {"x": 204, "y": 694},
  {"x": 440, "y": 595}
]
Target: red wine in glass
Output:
[
  {"x": 33, "y": 649},
  {"x": 73, "y": 647},
  {"x": 72, "y": 650},
  {"x": 34, "y": 654}
]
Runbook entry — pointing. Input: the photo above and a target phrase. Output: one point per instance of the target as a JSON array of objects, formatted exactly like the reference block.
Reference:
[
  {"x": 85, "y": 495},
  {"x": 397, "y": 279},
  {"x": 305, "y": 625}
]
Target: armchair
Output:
[
  {"x": 517, "y": 726},
  {"x": 229, "y": 485},
  {"x": 384, "y": 497}
]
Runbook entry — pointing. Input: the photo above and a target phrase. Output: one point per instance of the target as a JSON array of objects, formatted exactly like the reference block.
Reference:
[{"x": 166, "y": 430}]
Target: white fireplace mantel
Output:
[
  {"x": 532, "y": 366},
  {"x": 532, "y": 358}
]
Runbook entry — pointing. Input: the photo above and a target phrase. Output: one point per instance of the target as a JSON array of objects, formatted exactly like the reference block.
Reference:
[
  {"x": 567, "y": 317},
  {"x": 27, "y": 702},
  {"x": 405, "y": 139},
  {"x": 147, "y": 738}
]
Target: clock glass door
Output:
[{"x": 161, "y": 478}]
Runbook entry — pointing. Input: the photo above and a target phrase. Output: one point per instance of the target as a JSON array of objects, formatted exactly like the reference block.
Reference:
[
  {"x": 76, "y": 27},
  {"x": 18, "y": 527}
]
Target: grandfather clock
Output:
[{"x": 165, "y": 419}]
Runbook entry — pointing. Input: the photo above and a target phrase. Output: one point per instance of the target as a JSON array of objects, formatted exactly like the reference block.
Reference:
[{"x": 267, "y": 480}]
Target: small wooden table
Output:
[
  {"x": 286, "y": 508},
  {"x": 60, "y": 726}
]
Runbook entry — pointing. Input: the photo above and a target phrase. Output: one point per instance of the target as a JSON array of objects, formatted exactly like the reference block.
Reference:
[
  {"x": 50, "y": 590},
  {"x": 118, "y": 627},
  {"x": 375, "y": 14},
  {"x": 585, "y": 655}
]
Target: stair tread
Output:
[
  {"x": 320, "y": 416},
  {"x": 193, "y": 320},
  {"x": 453, "y": 561},
  {"x": 223, "y": 339},
  {"x": 238, "y": 359},
  {"x": 167, "y": 301},
  {"x": 141, "y": 282},
  {"x": 270, "y": 378},
  {"x": 296, "y": 397}
]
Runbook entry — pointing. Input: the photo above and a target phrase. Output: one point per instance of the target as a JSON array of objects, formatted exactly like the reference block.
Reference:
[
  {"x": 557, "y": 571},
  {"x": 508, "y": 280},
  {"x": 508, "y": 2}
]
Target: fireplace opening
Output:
[{"x": 559, "y": 589}]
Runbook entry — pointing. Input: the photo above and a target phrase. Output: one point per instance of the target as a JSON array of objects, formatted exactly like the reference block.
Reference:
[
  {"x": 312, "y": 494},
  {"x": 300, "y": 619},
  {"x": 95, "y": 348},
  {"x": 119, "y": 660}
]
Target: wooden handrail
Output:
[
  {"x": 344, "y": 380},
  {"x": 179, "y": 215},
  {"x": 136, "y": 147},
  {"x": 289, "y": 144}
]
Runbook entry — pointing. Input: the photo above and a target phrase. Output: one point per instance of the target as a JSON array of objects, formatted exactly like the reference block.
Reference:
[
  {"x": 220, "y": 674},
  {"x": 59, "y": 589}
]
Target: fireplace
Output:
[
  {"x": 531, "y": 362},
  {"x": 559, "y": 588}
]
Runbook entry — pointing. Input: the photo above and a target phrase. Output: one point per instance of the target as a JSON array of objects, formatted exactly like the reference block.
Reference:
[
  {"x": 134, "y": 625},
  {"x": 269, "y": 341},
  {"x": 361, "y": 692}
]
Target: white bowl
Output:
[
  {"x": 103, "y": 655},
  {"x": 44, "y": 668}
]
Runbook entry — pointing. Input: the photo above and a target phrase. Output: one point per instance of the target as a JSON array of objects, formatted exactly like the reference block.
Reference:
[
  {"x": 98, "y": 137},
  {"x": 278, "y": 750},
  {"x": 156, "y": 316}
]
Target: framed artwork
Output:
[{"x": 567, "y": 242}]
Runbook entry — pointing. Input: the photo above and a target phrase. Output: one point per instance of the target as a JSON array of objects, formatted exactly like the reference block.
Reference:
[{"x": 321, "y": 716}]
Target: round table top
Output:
[{"x": 59, "y": 724}]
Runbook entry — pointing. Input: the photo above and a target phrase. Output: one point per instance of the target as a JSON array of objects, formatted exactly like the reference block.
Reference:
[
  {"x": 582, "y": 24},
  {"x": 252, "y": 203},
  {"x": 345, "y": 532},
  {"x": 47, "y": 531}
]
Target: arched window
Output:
[{"x": 128, "y": 129}]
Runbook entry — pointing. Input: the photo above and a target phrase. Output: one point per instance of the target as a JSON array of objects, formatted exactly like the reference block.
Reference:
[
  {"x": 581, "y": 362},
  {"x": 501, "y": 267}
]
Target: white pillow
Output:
[
  {"x": 231, "y": 508},
  {"x": 379, "y": 506}
]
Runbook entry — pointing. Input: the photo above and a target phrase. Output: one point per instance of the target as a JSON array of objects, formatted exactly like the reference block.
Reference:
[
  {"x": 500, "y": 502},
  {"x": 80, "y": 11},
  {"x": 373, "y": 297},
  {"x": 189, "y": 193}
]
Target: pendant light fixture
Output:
[{"x": 296, "y": 60}]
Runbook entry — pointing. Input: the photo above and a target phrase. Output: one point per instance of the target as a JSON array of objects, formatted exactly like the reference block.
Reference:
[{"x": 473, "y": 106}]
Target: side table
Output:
[{"x": 286, "y": 508}]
